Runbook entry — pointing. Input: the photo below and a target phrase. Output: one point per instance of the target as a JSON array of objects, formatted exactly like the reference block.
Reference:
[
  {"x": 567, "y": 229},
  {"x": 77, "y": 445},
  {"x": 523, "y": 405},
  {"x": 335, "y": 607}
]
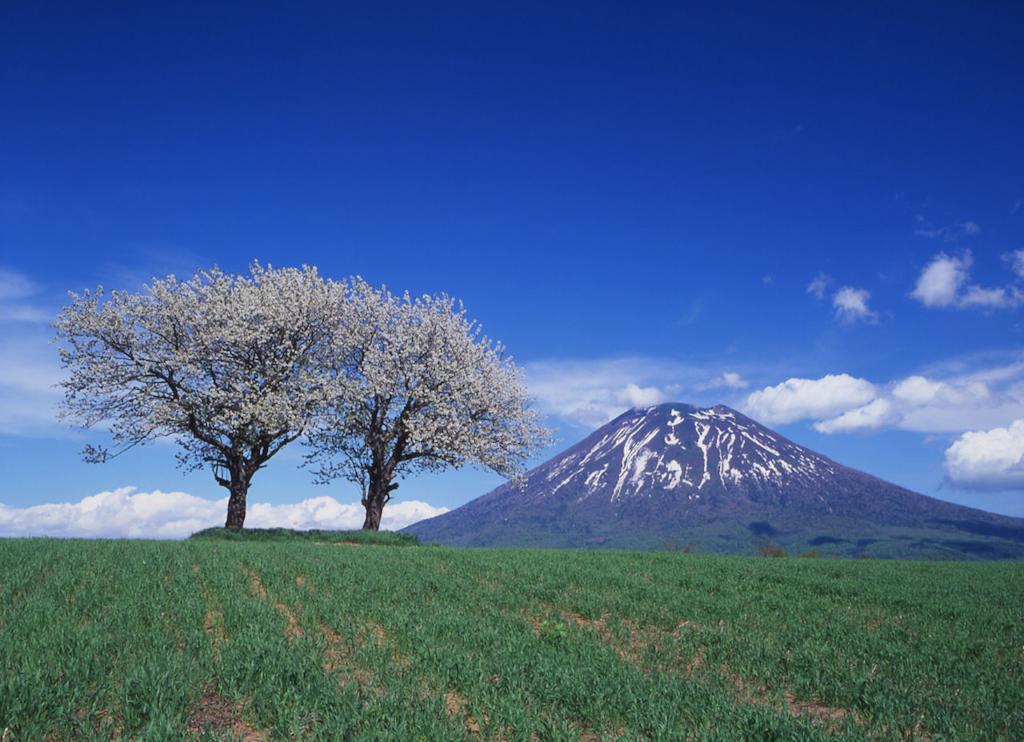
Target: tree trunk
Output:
[
  {"x": 239, "y": 488},
  {"x": 377, "y": 495},
  {"x": 374, "y": 509}
]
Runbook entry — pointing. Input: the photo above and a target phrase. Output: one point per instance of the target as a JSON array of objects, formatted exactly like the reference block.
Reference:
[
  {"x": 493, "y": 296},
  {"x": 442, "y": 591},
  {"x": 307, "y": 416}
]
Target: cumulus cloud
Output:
[
  {"x": 957, "y": 402},
  {"x": 818, "y": 285},
  {"x": 851, "y": 305},
  {"x": 940, "y": 281},
  {"x": 917, "y": 390},
  {"x": 871, "y": 416},
  {"x": 797, "y": 399},
  {"x": 127, "y": 513},
  {"x": 988, "y": 459},
  {"x": 943, "y": 284}
]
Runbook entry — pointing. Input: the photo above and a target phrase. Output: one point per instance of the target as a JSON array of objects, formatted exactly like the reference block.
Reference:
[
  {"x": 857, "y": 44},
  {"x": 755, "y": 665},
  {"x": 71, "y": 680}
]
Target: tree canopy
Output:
[
  {"x": 418, "y": 386},
  {"x": 229, "y": 366},
  {"x": 234, "y": 368}
]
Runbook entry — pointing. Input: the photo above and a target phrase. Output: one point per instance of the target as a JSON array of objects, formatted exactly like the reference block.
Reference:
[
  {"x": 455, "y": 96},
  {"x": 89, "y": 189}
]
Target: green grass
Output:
[
  {"x": 307, "y": 640},
  {"x": 377, "y": 538}
]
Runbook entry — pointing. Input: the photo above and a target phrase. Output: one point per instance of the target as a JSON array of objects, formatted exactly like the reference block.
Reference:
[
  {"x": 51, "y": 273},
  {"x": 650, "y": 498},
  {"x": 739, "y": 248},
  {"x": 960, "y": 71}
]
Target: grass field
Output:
[{"x": 307, "y": 639}]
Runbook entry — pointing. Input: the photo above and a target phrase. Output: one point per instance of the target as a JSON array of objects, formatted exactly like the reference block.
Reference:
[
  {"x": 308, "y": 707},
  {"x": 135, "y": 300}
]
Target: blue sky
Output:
[{"x": 637, "y": 200}]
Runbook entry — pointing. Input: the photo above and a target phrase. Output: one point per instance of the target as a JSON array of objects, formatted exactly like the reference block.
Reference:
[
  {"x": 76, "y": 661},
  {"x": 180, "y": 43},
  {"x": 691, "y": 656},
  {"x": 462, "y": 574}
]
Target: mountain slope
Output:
[{"x": 675, "y": 474}]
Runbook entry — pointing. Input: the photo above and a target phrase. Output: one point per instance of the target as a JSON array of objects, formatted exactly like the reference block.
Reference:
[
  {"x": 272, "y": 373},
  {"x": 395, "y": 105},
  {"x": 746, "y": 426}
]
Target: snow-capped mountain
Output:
[
  {"x": 690, "y": 451},
  {"x": 675, "y": 473}
]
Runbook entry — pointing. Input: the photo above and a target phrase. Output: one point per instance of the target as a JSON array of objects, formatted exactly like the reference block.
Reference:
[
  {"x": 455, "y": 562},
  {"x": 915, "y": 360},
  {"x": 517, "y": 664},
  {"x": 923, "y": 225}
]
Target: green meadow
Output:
[{"x": 333, "y": 637}]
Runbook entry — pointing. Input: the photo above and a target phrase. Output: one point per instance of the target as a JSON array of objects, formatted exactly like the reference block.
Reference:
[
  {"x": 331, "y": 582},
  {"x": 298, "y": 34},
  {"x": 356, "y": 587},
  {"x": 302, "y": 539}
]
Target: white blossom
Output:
[
  {"x": 418, "y": 386},
  {"x": 228, "y": 366}
]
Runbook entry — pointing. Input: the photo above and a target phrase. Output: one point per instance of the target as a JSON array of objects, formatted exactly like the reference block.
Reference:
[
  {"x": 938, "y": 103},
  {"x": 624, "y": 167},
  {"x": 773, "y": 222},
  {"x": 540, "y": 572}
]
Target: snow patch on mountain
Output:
[{"x": 681, "y": 448}]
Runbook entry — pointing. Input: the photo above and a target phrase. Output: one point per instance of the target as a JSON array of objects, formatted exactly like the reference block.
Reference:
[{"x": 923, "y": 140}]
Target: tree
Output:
[
  {"x": 417, "y": 387},
  {"x": 228, "y": 366}
]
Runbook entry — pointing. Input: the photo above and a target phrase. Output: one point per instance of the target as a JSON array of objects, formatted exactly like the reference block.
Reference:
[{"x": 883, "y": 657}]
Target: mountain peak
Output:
[
  {"x": 675, "y": 446},
  {"x": 668, "y": 409},
  {"x": 712, "y": 475}
]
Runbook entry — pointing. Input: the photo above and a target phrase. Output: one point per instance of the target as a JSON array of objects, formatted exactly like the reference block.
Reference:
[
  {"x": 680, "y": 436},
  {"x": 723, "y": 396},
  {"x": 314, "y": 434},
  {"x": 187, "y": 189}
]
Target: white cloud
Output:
[
  {"x": 917, "y": 390},
  {"x": 29, "y": 369},
  {"x": 852, "y": 305},
  {"x": 1016, "y": 261},
  {"x": 589, "y": 393},
  {"x": 641, "y": 396},
  {"x": 1001, "y": 297},
  {"x": 14, "y": 285},
  {"x": 988, "y": 459},
  {"x": 818, "y": 284},
  {"x": 943, "y": 283},
  {"x": 940, "y": 281},
  {"x": 29, "y": 372},
  {"x": 726, "y": 380},
  {"x": 957, "y": 402},
  {"x": 592, "y": 392},
  {"x": 797, "y": 399},
  {"x": 868, "y": 417},
  {"x": 125, "y": 513},
  {"x": 17, "y": 293}
]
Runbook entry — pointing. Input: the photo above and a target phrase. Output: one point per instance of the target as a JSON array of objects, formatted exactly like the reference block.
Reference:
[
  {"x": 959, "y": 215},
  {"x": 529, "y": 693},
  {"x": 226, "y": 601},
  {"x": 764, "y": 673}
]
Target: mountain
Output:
[{"x": 674, "y": 475}]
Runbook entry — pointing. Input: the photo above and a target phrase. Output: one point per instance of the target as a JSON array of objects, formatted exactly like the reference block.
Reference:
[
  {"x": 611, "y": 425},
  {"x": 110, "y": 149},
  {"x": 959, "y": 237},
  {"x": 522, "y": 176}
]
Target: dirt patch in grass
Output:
[
  {"x": 751, "y": 692},
  {"x": 339, "y": 657},
  {"x": 630, "y": 646},
  {"x": 379, "y": 635},
  {"x": 457, "y": 706},
  {"x": 292, "y": 627},
  {"x": 213, "y": 712},
  {"x": 632, "y": 643},
  {"x": 107, "y": 724},
  {"x": 213, "y": 624},
  {"x": 256, "y": 588},
  {"x": 828, "y": 714},
  {"x": 589, "y": 734},
  {"x": 633, "y": 640},
  {"x": 213, "y": 619}
]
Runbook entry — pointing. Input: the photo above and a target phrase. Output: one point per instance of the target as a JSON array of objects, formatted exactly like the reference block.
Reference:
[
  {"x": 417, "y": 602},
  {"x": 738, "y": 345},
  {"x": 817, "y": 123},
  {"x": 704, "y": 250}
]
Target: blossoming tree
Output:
[
  {"x": 417, "y": 386},
  {"x": 230, "y": 367}
]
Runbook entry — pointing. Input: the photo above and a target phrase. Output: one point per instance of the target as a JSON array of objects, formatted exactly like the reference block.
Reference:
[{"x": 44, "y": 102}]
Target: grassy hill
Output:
[
  {"x": 306, "y": 638},
  {"x": 374, "y": 538}
]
